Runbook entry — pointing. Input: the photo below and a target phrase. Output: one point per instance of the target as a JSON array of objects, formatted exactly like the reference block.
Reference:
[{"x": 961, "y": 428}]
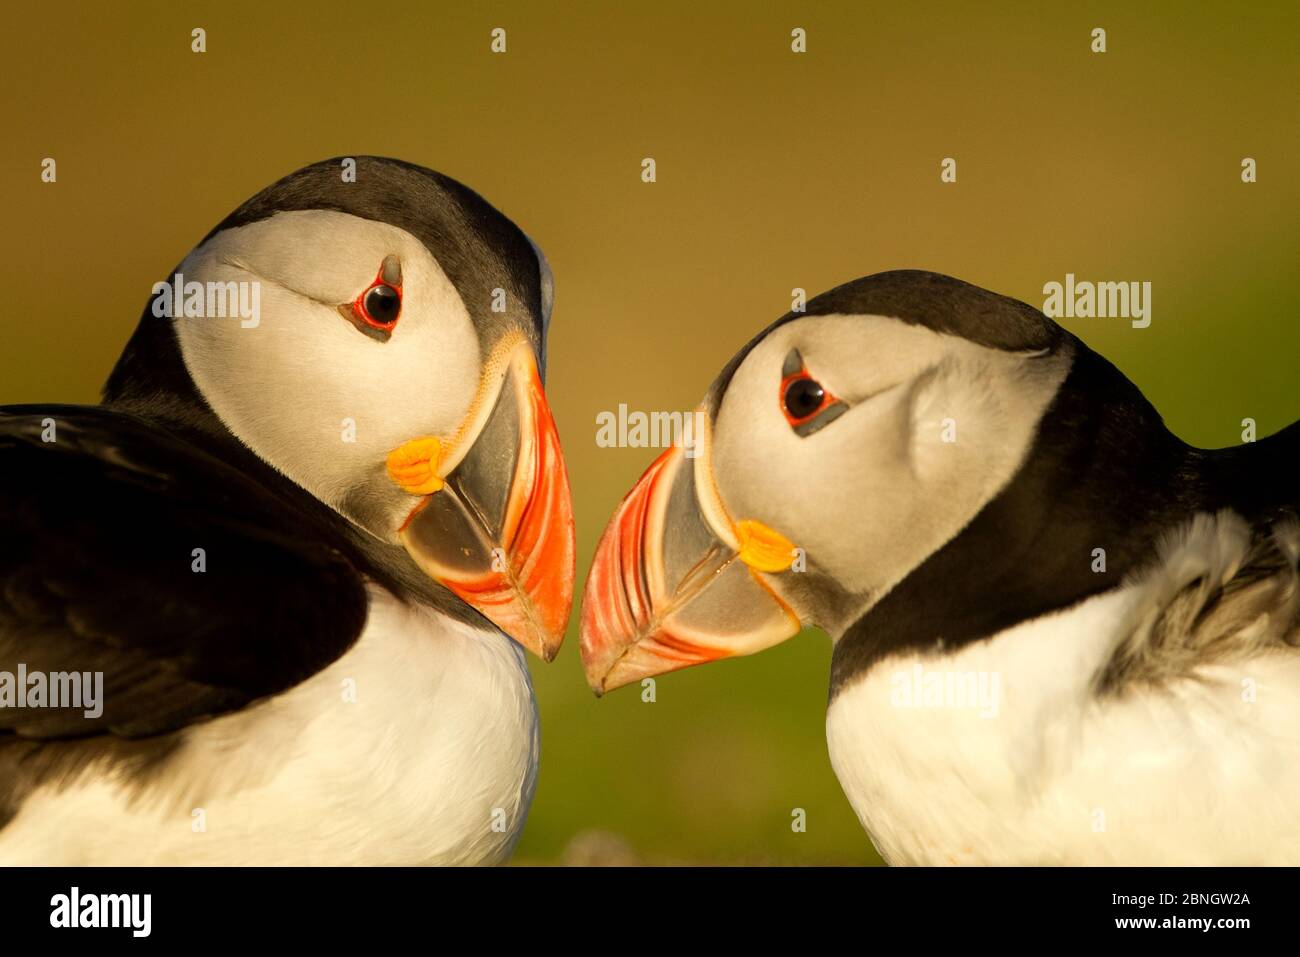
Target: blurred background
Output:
[{"x": 775, "y": 170}]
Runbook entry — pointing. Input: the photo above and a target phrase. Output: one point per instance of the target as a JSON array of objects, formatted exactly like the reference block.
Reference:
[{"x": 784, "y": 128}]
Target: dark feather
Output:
[
  {"x": 97, "y": 531},
  {"x": 1222, "y": 592}
]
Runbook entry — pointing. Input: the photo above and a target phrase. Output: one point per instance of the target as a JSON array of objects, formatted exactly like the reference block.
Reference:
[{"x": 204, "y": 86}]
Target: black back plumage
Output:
[
  {"x": 96, "y": 575},
  {"x": 97, "y": 567}
]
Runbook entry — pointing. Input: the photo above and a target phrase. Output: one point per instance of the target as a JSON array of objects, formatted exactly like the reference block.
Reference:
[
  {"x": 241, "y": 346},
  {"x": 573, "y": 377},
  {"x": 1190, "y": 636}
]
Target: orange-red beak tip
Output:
[
  {"x": 644, "y": 616},
  {"x": 515, "y": 568}
]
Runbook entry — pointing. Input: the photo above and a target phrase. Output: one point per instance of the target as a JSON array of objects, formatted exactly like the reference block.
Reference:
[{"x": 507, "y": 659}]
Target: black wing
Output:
[{"x": 98, "y": 532}]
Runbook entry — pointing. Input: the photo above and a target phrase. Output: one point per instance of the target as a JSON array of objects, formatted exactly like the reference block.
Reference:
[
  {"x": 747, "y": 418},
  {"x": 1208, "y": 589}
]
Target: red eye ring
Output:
[
  {"x": 803, "y": 403},
  {"x": 380, "y": 304}
]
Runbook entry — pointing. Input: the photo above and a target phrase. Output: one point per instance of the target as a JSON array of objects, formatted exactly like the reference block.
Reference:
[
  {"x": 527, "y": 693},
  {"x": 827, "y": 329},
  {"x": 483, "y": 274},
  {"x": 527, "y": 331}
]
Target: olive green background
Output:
[{"x": 775, "y": 170}]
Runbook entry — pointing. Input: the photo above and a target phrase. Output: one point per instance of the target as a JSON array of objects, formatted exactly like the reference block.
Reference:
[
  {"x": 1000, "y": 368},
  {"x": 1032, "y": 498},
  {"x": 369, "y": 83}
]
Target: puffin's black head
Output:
[
  {"x": 928, "y": 299},
  {"x": 478, "y": 249},
  {"x": 843, "y": 447},
  {"x": 379, "y": 339}
]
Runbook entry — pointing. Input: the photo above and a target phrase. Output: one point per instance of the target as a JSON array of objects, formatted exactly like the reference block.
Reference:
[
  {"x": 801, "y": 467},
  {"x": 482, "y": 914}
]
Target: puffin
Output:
[
  {"x": 1060, "y": 634},
  {"x": 269, "y": 602}
]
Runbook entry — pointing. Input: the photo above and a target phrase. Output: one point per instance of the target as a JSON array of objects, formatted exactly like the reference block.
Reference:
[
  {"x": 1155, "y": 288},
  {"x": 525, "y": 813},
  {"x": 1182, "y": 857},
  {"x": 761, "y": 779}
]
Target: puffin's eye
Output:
[
  {"x": 378, "y": 308},
  {"x": 803, "y": 398},
  {"x": 381, "y": 305},
  {"x": 807, "y": 404}
]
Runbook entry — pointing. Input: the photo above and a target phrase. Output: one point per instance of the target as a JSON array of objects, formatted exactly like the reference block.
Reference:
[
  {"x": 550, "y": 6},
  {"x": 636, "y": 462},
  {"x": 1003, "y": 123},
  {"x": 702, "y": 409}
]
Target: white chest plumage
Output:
[
  {"x": 1002, "y": 753},
  {"x": 419, "y": 746}
]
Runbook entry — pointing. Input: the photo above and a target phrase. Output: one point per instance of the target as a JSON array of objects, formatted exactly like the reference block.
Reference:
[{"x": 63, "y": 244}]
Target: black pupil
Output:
[
  {"x": 803, "y": 397},
  {"x": 383, "y": 304}
]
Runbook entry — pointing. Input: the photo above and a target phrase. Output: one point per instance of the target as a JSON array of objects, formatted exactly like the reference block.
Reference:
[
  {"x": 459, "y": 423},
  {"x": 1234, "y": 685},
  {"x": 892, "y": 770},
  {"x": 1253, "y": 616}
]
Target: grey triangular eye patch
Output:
[
  {"x": 793, "y": 364},
  {"x": 825, "y": 418},
  {"x": 391, "y": 271}
]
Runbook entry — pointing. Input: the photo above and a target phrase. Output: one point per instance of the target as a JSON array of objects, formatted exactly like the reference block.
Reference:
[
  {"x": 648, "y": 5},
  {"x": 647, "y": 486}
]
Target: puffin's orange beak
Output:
[
  {"x": 497, "y": 530},
  {"x": 666, "y": 592}
]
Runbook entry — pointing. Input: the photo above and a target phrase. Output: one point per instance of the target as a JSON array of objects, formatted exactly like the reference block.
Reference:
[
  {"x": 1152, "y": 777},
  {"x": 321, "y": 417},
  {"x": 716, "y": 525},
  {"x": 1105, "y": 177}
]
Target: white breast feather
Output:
[
  {"x": 434, "y": 763},
  {"x": 1201, "y": 768}
]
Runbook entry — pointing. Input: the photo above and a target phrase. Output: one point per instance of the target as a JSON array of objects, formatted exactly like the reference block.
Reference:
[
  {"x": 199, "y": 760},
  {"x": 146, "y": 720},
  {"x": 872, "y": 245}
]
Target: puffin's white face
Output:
[
  {"x": 365, "y": 380},
  {"x": 322, "y": 397},
  {"x": 890, "y": 432},
  {"x": 842, "y": 452}
]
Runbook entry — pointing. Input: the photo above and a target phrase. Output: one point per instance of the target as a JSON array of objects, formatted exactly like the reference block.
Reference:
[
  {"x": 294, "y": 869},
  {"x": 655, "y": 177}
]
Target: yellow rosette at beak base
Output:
[
  {"x": 413, "y": 466},
  {"x": 763, "y": 548}
]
